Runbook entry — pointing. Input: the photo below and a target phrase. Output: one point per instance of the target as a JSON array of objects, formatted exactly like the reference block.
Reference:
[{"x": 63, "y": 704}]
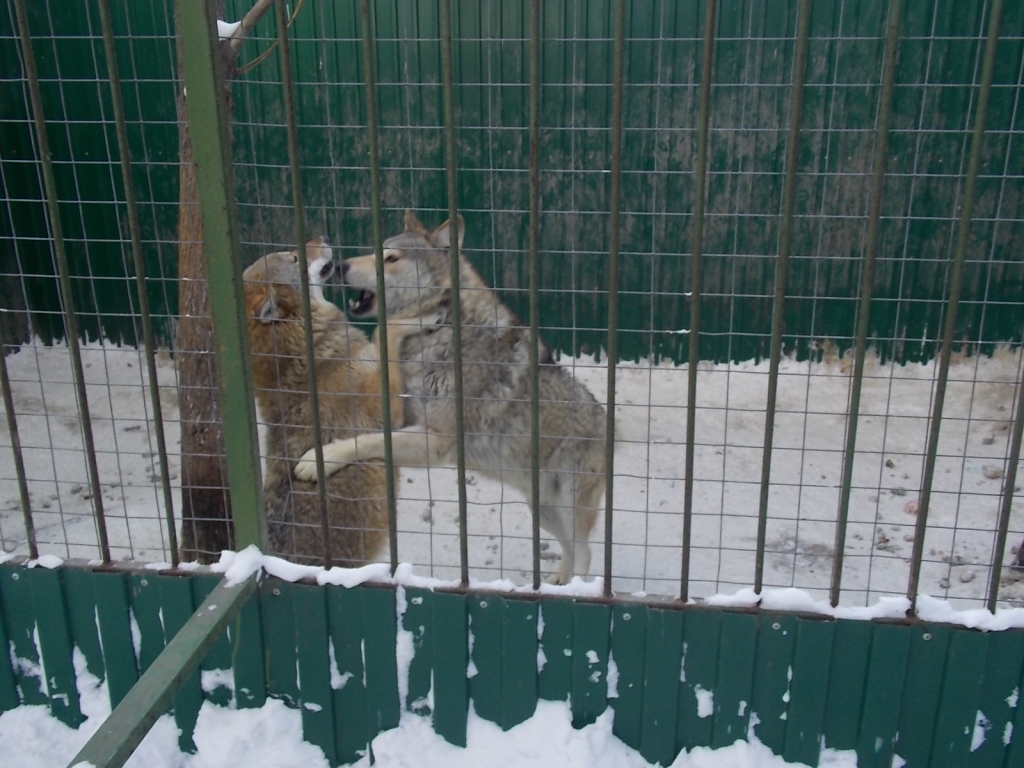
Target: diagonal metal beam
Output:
[{"x": 128, "y": 724}]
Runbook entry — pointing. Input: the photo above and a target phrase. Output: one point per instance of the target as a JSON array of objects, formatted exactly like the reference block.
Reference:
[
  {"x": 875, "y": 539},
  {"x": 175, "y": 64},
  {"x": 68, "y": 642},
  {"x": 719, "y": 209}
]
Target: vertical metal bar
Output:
[
  {"x": 453, "y": 219},
  {"x": 19, "y": 462},
  {"x": 215, "y": 184},
  {"x": 378, "y": 248},
  {"x": 696, "y": 279},
  {"x": 956, "y": 284},
  {"x": 1007, "y": 502},
  {"x": 613, "y": 284},
  {"x": 867, "y": 285},
  {"x": 135, "y": 232},
  {"x": 782, "y": 275},
  {"x": 534, "y": 277},
  {"x": 288, "y": 87},
  {"x": 67, "y": 298}
]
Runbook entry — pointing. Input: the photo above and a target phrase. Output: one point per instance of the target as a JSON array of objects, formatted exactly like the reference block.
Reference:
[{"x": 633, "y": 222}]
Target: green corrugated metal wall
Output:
[
  {"x": 932, "y": 114},
  {"x": 880, "y": 688}
]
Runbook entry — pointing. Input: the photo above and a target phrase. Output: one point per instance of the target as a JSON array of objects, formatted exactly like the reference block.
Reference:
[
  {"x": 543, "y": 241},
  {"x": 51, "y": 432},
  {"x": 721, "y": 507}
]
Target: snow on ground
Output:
[
  {"x": 548, "y": 739},
  {"x": 651, "y": 423},
  {"x": 271, "y": 737},
  {"x": 649, "y": 459}
]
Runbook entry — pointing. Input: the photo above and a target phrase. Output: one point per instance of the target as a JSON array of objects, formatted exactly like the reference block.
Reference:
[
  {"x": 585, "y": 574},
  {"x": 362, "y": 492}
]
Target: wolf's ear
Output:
[
  {"x": 266, "y": 312},
  {"x": 442, "y": 236},
  {"x": 412, "y": 224},
  {"x": 318, "y": 248}
]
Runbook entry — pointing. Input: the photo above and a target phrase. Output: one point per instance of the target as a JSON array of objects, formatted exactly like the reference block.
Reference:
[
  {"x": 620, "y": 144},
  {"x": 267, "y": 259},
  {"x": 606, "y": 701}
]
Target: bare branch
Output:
[{"x": 248, "y": 22}]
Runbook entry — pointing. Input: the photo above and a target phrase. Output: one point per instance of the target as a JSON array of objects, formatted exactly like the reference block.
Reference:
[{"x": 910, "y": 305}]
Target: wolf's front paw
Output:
[
  {"x": 306, "y": 468},
  {"x": 558, "y": 579},
  {"x": 336, "y": 456}
]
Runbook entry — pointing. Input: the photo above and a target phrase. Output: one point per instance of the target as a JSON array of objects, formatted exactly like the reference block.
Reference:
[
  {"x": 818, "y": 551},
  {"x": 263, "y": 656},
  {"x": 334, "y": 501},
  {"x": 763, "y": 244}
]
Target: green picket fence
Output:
[{"x": 880, "y": 688}]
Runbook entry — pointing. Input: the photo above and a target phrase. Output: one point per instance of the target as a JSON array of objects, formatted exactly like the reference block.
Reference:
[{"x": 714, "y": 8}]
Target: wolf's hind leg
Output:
[
  {"x": 555, "y": 520},
  {"x": 589, "y": 490},
  {"x": 570, "y": 518}
]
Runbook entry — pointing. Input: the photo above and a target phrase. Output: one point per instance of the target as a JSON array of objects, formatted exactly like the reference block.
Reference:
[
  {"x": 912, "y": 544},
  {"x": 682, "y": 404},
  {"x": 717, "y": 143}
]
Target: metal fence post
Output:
[
  {"x": 216, "y": 188},
  {"x": 866, "y": 287},
  {"x": 287, "y": 87},
  {"x": 613, "y": 284},
  {"x": 447, "y": 67},
  {"x": 955, "y": 287},
  {"x": 378, "y": 250},
  {"x": 700, "y": 186},
  {"x": 781, "y": 276},
  {"x": 534, "y": 295}
]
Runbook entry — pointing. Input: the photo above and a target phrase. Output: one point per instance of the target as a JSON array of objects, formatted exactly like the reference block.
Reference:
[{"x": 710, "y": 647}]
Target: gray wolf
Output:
[
  {"x": 348, "y": 381},
  {"x": 496, "y": 389}
]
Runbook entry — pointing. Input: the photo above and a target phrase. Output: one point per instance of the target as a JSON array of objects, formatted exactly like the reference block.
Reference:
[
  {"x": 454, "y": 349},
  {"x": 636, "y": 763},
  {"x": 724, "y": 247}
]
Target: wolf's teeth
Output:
[{"x": 352, "y": 303}]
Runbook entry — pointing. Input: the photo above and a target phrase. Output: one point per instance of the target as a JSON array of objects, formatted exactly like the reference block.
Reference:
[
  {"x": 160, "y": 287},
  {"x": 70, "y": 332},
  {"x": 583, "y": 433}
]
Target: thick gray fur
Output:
[{"x": 496, "y": 391}]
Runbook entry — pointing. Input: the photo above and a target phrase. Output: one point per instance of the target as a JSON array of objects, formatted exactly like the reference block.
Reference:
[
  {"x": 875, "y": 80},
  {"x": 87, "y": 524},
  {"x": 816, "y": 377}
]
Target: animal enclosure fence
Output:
[
  {"x": 869, "y": 177},
  {"x": 780, "y": 241}
]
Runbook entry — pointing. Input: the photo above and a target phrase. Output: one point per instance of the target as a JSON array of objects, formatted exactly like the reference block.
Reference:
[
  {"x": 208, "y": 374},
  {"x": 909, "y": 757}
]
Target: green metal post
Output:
[
  {"x": 534, "y": 277},
  {"x": 139, "y": 260},
  {"x": 66, "y": 295},
  {"x": 378, "y": 249},
  {"x": 284, "y": 56},
  {"x": 128, "y": 724},
  {"x": 696, "y": 280},
  {"x": 867, "y": 285},
  {"x": 955, "y": 287},
  {"x": 453, "y": 217},
  {"x": 781, "y": 276},
  {"x": 216, "y": 187}
]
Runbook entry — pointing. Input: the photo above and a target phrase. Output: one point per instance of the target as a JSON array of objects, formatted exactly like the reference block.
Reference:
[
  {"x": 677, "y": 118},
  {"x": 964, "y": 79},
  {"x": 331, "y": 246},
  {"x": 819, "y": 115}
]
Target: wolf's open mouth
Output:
[{"x": 363, "y": 303}]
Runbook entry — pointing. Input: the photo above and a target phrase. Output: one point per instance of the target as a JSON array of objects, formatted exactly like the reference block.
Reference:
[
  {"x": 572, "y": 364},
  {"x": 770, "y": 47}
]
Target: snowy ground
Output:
[
  {"x": 271, "y": 737},
  {"x": 649, "y": 459}
]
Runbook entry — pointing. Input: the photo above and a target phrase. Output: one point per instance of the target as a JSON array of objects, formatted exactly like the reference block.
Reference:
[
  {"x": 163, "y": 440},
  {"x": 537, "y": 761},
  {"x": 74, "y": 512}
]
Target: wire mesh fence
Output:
[{"x": 860, "y": 174}]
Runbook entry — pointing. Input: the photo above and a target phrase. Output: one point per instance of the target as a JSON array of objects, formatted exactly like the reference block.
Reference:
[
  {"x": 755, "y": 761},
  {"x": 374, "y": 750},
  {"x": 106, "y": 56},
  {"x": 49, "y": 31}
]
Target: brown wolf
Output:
[
  {"x": 496, "y": 387},
  {"x": 348, "y": 381}
]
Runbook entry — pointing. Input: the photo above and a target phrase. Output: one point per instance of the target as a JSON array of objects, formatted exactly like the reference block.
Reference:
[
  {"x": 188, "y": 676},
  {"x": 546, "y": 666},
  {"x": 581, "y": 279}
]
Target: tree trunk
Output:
[{"x": 206, "y": 526}]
